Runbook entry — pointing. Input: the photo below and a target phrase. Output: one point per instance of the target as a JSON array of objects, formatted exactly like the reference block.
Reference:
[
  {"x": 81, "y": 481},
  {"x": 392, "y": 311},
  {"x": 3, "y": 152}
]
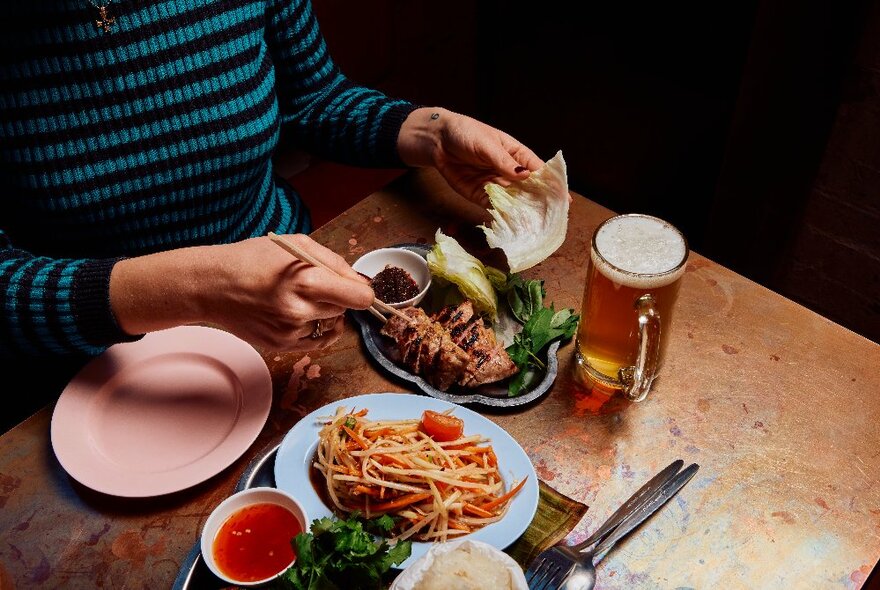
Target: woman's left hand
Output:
[{"x": 467, "y": 153}]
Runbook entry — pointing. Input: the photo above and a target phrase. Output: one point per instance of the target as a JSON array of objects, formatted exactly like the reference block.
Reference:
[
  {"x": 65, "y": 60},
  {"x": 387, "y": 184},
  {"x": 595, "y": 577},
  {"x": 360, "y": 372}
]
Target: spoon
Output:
[{"x": 583, "y": 574}]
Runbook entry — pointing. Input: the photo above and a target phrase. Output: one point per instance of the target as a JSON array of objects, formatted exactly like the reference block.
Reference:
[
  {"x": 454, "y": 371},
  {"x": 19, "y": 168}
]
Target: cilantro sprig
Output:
[
  {"x": 338, "y": 554},
  {"x": 541, "y": 326}
]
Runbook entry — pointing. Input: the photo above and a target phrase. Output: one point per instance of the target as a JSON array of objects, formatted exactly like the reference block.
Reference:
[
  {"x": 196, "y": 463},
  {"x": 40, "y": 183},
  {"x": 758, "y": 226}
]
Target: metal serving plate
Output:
[
  {"x": 194, "y": 574},
  {"x": 491, "y": 394}
]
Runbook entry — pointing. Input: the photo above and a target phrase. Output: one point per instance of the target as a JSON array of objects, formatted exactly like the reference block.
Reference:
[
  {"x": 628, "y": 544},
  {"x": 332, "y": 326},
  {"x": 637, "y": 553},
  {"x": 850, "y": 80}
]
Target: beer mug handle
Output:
[{"x": 637, "y": 379}]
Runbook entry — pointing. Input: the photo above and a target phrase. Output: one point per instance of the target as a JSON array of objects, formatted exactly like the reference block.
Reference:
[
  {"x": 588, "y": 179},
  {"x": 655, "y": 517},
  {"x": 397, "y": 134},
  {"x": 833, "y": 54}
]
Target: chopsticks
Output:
[{"x": 378, "y": 305}]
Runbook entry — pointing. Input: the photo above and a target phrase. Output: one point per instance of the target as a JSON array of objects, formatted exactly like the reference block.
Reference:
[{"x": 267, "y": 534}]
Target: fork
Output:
[
  {"x": 582, "y": 575},
  {"x": 552, "y": 565}
]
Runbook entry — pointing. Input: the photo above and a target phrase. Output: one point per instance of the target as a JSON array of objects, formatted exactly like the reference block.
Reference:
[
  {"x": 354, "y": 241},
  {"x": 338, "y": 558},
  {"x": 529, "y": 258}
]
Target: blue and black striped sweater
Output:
[{"x": 155, "y": 135}]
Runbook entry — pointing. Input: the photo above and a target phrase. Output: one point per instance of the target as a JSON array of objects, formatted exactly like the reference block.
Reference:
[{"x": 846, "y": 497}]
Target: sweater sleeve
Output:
[
  {"x": 55, "y": 306},
  {"x": 325, "y": 112}
]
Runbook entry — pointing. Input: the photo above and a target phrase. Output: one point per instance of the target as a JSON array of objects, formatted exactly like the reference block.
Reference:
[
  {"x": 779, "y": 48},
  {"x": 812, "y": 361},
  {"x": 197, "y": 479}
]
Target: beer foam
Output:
[{"x": 635, "y": 249}]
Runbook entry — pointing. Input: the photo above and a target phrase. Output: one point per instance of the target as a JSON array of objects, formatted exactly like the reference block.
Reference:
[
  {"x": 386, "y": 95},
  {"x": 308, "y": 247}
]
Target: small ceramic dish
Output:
[
  {"x": 476, "y": 565},
  {"x": 371, "y": 263},
  {"x": 235, "y": 506}
]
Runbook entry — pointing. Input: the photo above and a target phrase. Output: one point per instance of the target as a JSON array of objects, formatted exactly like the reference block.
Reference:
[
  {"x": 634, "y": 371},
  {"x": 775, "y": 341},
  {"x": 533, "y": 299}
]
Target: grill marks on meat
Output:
[
  {"x": 488, "y": 361},
  {"x": 453, "y": 347},
  {"x": 426, "y": 348}
]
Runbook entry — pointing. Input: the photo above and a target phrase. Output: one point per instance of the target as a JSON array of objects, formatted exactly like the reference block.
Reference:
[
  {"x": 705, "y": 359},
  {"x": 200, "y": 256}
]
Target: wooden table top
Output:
[{"x": 778, "y": 405}]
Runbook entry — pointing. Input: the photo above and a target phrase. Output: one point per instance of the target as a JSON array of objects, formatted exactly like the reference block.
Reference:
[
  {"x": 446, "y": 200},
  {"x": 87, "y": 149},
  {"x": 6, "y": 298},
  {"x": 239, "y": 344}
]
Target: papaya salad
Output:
[{"x": 435, "y": 482}]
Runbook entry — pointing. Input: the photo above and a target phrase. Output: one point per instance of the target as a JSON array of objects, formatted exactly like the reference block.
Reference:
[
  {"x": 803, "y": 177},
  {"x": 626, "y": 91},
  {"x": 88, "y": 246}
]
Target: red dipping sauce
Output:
[{"x": 255, "y": 542}]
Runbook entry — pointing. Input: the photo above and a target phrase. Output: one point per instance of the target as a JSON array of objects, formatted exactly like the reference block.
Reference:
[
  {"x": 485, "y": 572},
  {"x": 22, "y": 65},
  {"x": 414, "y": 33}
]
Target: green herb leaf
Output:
[
  {"x": 397, "y": 554},
  {"x": 524, "y": 297},
  {"x": 384, "y": 523},
  {"x": 536, "y": 295},
  {"x": 541, "y": 326},
  {"x": 342, "y": 554},
  {"x": 517, "y": 306}
]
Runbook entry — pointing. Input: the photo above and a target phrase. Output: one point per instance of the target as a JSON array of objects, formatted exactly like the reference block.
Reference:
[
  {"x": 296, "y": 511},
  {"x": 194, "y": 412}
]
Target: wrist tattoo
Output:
[{"x": 435, "y": 116}]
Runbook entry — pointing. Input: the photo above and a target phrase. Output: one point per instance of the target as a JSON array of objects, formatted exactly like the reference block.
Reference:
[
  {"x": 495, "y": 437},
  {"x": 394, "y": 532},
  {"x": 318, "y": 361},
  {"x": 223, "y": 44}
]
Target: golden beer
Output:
[{"x": 637, "y": 262}]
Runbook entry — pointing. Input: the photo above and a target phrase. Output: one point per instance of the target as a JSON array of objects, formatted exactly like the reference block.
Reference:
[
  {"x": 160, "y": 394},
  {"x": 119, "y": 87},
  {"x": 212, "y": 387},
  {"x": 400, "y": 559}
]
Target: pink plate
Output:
[{"x": 161, "y": 414}]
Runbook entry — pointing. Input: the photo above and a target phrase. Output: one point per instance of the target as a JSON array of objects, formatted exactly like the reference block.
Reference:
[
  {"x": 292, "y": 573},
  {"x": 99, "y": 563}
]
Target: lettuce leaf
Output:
[
  {"x": 448, "y": 260},
  {"x": 530, "y": 217}
]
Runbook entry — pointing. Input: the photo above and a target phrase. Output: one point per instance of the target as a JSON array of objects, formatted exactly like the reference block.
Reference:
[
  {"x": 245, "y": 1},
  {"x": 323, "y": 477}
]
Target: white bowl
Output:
[
  {"x": 235, "y": 502},
  {"x": 483, "y": 552},
  {"x": 372, "y": 262}
]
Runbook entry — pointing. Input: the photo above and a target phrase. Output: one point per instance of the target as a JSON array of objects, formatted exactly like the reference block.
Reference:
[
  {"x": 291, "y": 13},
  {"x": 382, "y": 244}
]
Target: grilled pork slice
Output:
[
  {"x": 487, "y": 360},
  {"x": 426, "y": 348},
  {"x": 408, "y": 335},
  {"x": 442, "y": 362},
  {"x": 456, "y": 318}
]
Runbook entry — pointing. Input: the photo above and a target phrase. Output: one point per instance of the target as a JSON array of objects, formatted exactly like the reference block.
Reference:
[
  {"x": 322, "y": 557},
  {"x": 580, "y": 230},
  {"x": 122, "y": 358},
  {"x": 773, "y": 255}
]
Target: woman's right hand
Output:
[{"x": 253, "y": 289}]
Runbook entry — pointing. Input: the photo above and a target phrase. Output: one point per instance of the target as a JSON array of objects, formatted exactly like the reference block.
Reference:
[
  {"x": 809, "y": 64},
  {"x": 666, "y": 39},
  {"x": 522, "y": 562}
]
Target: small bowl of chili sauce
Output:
[
  {"x": 246, "y": 541},
  {"x": 398, "y": 276}
]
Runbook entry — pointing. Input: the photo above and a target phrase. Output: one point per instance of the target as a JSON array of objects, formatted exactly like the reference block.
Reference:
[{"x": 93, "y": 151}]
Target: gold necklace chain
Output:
[{"x": 105, "y": 20}]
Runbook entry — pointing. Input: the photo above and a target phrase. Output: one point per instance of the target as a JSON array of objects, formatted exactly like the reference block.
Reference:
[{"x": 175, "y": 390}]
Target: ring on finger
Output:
[{"x": 323, "y": 326}]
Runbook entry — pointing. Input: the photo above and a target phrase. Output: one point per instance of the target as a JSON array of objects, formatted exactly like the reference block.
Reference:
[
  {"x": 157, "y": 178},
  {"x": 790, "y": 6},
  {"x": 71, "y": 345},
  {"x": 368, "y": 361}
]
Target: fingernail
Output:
[{"x": 519, "y": 169}]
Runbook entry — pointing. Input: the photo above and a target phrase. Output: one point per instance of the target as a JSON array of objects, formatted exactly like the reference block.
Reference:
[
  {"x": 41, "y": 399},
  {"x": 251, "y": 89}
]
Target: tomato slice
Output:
[{"x": 441, "y": 427}]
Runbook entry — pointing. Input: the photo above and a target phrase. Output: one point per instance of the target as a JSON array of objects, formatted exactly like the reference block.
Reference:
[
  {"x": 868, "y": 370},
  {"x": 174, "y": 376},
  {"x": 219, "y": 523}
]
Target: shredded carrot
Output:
[
  {"x": 391, "y": 460},
  {"x": 356, "y": 437},
  {"x": 493, "y": 460},
  {"x": 476, "y": 511},
  {"x": 477, "y": 450},
  {"x": 454, "y": 524},
  {"x": 502, "y": 499},
  {"x": 374, "y": 434},
  {"x": 399, "y": 502},
  {"x": 435, "y": 489}
]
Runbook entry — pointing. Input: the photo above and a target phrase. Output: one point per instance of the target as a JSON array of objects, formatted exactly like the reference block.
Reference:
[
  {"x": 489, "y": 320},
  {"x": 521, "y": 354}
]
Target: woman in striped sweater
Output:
[{"x": 135, "y": 163}]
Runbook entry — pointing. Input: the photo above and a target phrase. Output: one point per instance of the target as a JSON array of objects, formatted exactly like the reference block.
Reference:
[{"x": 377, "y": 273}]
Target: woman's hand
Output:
[
  {"x": 467, "y": 153},
  {"x": 253, "y": 289}
]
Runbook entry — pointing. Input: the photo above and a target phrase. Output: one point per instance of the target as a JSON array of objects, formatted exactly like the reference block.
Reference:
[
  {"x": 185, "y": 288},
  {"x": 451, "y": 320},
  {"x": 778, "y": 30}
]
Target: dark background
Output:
[{"x": 752, "y": 125}]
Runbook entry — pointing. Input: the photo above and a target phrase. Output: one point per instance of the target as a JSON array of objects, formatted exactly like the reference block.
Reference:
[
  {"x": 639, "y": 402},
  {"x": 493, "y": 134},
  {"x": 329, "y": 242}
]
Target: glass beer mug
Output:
[{"x": 637, "y": 262}]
